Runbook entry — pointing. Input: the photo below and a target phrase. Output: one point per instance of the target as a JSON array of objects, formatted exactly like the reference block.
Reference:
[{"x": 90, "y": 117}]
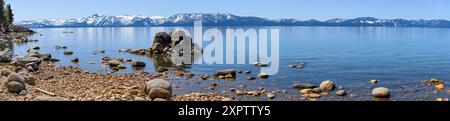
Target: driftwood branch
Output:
[{"x": 46, "y": 92}]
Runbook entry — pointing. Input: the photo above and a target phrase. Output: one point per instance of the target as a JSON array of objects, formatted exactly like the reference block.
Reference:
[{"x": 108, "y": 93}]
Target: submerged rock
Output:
[
  {"x": 224, "y": 73},
  {"x": 75, "y": 60},
  {"x": 161, "y": 69},
  {"x": 68, "y": 52},
  {"x": 303, "y": 86},
  {"x": 137, "y": 63},
  {"x": 263, "y": 75}
]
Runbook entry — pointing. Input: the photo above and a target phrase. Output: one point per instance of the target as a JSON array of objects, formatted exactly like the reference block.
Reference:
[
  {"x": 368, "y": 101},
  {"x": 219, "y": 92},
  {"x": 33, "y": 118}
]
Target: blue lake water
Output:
[{"x": 350, "y": 56}]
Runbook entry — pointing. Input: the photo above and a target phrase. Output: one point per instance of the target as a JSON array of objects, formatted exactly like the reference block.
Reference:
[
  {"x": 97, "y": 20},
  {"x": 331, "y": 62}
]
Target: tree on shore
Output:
[
  {"x": 9, "y": 17},
  {"x": 2, "y": 16}
]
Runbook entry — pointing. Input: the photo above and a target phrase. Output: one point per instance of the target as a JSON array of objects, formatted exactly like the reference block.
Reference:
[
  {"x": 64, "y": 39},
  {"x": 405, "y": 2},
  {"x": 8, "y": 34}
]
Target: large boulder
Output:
[
  {"x": 163, "y": 38},
  {"x": 158, "y": 88},
  {"x": 26, "y": 60}
]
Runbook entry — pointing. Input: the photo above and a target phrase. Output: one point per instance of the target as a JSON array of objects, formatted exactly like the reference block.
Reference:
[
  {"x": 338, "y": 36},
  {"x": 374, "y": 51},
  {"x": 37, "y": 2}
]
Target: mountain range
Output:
[{"x": 223, "y": 19}]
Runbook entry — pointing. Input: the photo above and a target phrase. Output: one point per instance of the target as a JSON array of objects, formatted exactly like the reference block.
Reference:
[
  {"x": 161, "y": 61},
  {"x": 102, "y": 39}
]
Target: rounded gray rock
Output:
[
  {"x": 381, "y": 92},
  {"x": 15, "y": 87},
  {"x": 327, "y": 85}
]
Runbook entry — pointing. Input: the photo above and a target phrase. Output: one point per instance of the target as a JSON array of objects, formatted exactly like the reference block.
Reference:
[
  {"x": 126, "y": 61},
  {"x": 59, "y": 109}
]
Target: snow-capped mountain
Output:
[{"x": 223, "y": 19}]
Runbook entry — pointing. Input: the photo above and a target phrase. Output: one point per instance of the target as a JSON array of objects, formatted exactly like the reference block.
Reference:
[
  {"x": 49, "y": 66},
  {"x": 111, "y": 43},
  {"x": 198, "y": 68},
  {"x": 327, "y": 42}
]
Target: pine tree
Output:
[
  {"x": 9, "y": 17},
  {"x": 2, "y": 15}
]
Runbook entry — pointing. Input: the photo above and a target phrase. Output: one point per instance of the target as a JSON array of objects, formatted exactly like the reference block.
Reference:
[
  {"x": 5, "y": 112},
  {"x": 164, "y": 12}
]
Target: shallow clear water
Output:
[{"x": 351, "y": 56}]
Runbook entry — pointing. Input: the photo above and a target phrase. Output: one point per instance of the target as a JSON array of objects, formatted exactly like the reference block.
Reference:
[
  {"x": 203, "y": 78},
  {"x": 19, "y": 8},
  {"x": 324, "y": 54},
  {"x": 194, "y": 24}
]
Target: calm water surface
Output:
[{"x": 351, "y": 56}]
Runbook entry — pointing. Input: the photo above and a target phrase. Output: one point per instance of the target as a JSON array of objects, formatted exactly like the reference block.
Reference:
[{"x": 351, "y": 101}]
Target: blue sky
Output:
[{"x": 298, "y": 9}]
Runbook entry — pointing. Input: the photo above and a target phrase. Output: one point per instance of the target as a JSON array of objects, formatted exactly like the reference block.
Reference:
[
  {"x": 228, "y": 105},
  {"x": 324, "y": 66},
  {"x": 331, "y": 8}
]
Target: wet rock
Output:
[
  {"x": 259, "y": 64},
  {"x": 114, "y": 63},
  {"x": 121, "y": 66},
  {"x": 100, "y": 51},
  {"x": 75, "y": 60},
  {"x": 47, "y": 98},
  {"x": 157, "y": 48},
  {"x": 271, "y": 95},
  {"x": 327, "y": 85},
  {"x": 341, "y": 93},
  {"x": 434, "y": 81},
  {"x": 297, "y": 65},
  {"x": 381, "y": 92},
  {"x": 263, "y": 75},
  {"x": 15, "y": 87},
  {"x": 205, "y": 77},
  {"x": 137, "y": 63},
  {"x": 34, "y": 47},
  {"x": 161, "y": 69},
  {"x": 224, "y": 73},
  {"x": 68, "y": 52},
  {"x": 303, "y": 86},
  {"x": 54, "y": 60},
  {"x": 228, "y": 76},
  {"x": 246, "y": 72},
  {"x": 251, "y": 78}
]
